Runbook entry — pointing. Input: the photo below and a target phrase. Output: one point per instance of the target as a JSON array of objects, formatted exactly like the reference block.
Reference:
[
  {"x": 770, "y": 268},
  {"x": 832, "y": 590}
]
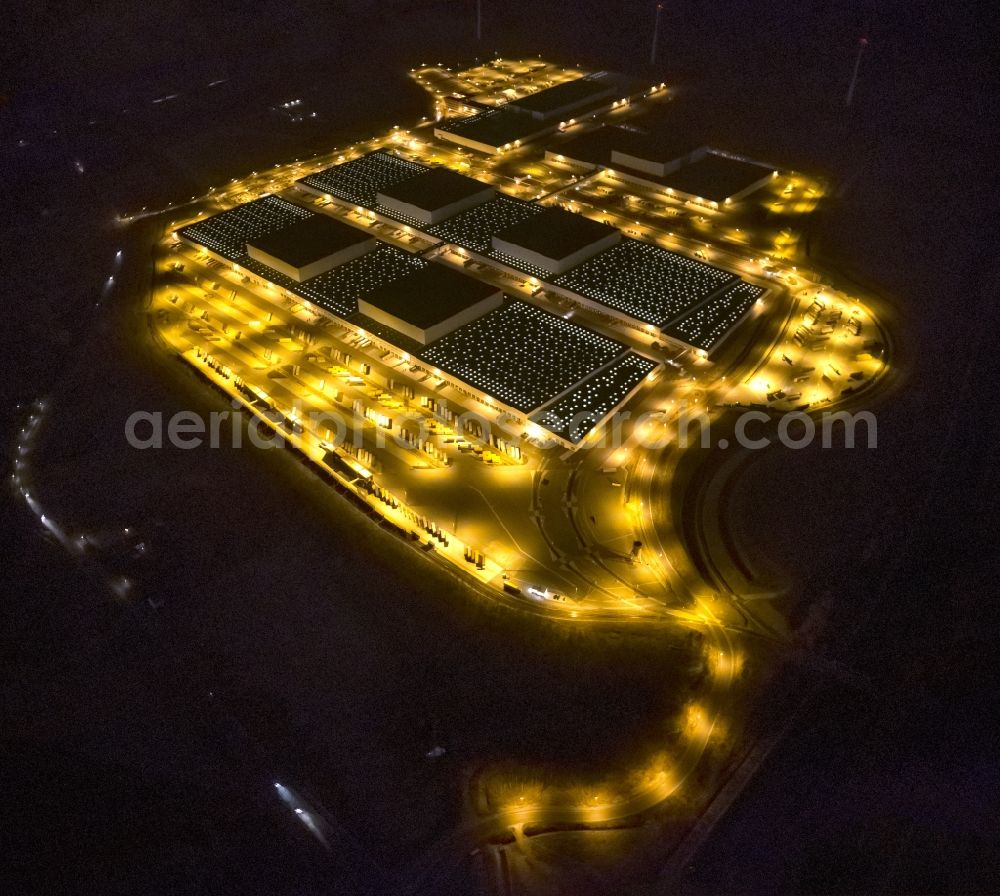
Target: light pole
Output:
[
  {"x": 862, "y": 43},
  {"x": 656, "y": 34}
]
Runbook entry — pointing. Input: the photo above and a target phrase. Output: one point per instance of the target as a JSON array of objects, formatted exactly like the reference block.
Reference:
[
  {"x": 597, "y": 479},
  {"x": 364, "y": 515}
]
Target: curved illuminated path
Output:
[
  {"x": 684, "y": 576},
  {"x": 650, "y": 483},
  {"x": 720, "y": 644},
  {"x": 598, "y": 812}
]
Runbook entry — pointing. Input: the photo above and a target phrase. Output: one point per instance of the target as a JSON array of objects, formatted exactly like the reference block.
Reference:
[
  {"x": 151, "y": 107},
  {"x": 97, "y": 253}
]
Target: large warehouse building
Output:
[
  {"x": 526, "y": 118},
  {"x": 310, "y": 246},
  {"x": 562, "y": 100},
  {"x": 700, "y": 174},
  {"x": 430, "y": 303},
  {"x": 492, "y": 130},
  {"x": 581, "y": 259},
  {"x": 609, "y": 147},
  {"x": 555, "y": 240},
  {"x": 433, "y": 195},
  {"x": 717, "y": 178},
  {"x": 505, "y": 353}
]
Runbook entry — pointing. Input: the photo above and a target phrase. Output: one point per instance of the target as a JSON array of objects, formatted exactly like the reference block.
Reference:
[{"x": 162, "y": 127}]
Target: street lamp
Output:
[{"x": 862, "y": 43}]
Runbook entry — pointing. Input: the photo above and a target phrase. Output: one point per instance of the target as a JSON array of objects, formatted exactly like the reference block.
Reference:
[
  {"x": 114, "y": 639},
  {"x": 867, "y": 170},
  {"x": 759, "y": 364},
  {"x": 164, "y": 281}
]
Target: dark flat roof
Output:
[
  {"x": 474, "y": 227},
  {"x": 592, "y": 146},
  {"x": 645, "y": 281},
  {"x": 360, "y": 179},
  {"x": 494, "y": 127},
  {"x": 309, "y": 240},
  {"x": 434, "y": 188},
  {"x": 655, "y": 150},
  {"x": 555, "y": 232},
  {"x": 715, "y": 177},
  {"x": 522, "y": 355},
  {"x": 552, "y": 99},
  {"x": 595, "y": 146},
  {"x": 227, "y": 233},
  {"x": 430, "y": 296},
  {"x": 706, "y": 325},
  {"x": 592, "y": 399}
]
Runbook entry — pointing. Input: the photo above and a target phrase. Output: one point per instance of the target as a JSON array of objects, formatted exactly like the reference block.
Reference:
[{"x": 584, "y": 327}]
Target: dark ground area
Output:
[{"x": 330, "y": 667}]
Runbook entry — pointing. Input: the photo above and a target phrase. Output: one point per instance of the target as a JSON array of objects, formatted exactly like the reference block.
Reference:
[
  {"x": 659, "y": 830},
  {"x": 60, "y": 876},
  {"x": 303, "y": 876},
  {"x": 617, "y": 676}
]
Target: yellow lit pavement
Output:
[{"x": 582, "y": 536}]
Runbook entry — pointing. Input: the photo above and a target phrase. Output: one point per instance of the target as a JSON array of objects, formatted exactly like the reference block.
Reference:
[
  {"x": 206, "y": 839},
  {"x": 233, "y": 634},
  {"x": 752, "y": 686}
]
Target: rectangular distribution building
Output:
[
  {"x": 570, "y": 255},
  {"x": 555, "y": 240},
  {"x": 498, "y": 129},
  {"x": 430, "y": 303},
  {"x": 492, "y": 130},
  {"x": 613, "y": 147},
  {"x": 433, "y": 195},
  {"x": 717, "y": 178},
  {"x": 694, "y": 173},
  {"x": 505, "y": 353},
  {"x": 310, "y": 246},
  {"x": 563, "y": 99}
]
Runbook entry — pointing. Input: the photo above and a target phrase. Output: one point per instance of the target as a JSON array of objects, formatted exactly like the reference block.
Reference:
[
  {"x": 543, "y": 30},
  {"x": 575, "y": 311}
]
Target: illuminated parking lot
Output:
[
  {"x": 645, "y": 323},
  {"x": 501, "y": 398}
]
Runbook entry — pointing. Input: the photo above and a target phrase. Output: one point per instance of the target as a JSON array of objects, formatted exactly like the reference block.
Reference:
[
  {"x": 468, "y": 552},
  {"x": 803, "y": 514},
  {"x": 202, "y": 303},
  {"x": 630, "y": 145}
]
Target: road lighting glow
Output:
[{"x": 320, "y": 357}]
